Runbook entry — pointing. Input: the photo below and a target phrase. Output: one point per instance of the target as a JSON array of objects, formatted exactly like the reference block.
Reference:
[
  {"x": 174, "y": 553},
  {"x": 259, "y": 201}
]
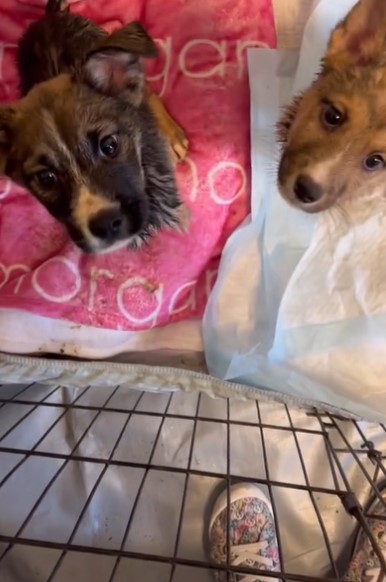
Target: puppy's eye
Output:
[
  {"x": 108, "y": 146},
  {"x": 47, "y": 179},
  {"x": 332, "y": 117},
  {"x": 374, "y": 162}
]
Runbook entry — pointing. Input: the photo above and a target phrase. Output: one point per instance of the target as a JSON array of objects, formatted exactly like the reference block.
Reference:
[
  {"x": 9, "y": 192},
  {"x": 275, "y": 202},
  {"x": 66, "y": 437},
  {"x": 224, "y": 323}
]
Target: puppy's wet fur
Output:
[
  {"x": 334, "y": 134},
  {"x": 85, "y": 137}
]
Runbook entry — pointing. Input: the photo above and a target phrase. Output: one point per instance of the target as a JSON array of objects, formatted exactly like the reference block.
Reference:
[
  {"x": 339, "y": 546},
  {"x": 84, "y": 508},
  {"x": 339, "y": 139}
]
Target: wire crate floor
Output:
[{"x": 106, "y": 485}]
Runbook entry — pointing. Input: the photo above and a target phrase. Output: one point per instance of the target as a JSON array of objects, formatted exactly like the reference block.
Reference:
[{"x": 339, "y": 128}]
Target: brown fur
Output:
[
  {"x": 81, "y": 87},
  {"x": 320, "y": 163}
]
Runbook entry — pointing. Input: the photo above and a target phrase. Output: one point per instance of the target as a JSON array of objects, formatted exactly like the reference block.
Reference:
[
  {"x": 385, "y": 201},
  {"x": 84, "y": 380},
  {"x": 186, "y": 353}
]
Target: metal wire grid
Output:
[{"x": 33, "y": 419}]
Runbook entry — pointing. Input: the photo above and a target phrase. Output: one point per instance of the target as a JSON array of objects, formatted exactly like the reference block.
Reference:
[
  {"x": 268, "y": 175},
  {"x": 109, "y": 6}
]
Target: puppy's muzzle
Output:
[
  {"x": 98, "y": 224},
  {"x": 305, "y": 186},
  {"x": 110, "y": 226},
  {"x": 306, "y": 190}
]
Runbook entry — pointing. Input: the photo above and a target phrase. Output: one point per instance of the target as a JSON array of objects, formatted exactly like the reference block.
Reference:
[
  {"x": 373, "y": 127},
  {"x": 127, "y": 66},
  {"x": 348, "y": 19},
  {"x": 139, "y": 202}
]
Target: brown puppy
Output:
[
  {"x": 334, "y": 135},
  {"x": 84, "y": 138}
]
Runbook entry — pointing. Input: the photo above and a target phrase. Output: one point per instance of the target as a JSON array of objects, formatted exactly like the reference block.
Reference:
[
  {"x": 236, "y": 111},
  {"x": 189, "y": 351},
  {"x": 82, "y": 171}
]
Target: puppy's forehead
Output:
[
  {"x": 60, "y": 121},
  {"x": 362, "y": 90},
  {"x": 363, "y": 101},
  {"x": 44, "y": 113},
  {"x": 56, "y": 116},
  {"x": 51, "y": 95},
  {"x": 43, "y": 144}
]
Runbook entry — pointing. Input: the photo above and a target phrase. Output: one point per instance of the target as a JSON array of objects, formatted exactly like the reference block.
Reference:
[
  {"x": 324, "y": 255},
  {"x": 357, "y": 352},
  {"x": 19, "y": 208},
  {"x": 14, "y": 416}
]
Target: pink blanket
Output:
[{"x": 201, "y": 75}]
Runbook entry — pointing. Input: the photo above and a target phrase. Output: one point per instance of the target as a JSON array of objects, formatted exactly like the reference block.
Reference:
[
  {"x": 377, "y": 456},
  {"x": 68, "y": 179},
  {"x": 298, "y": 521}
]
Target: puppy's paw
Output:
[
  {"x": 179, "y": 143},
  {"x": 184, "y": 216},
  {"x": 172, "y": 132}
]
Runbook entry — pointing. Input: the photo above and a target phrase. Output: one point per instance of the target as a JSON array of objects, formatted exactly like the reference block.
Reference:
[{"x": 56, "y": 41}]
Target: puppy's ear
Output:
[
  {"x": 7, "y": 114},
  {"x": 114, "y": 67},
  {"x": 359, "y": 39}
]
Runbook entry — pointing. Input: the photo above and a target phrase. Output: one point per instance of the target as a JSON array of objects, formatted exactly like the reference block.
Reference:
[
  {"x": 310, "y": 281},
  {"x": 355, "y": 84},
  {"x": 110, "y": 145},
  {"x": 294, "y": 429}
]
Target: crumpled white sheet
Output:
[{"x": 300, "y": 301}]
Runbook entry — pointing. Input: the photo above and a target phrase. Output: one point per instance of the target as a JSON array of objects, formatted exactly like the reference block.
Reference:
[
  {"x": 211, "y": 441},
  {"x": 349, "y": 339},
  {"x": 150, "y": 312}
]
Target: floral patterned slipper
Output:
[
  {"x": 365, "y": 566},
  {"x": 253, "y": 541}
]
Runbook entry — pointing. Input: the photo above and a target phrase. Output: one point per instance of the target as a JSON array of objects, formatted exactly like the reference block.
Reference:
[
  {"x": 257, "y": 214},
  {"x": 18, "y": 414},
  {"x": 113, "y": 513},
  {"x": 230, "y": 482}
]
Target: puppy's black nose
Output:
[
  {"x": 107, "y": 225},
  {"x": 306, "y": 190}
]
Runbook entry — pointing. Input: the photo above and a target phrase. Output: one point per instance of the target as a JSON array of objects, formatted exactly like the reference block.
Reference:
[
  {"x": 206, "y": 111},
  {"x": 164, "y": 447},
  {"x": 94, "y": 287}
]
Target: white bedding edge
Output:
[
  {"x": 16, "y": 369},
  {"x": 26, "y": 333}
]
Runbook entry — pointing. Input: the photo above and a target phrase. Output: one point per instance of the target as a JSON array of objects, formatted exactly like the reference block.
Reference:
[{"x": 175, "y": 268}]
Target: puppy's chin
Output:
[
  {"x": 95, "y": 246},
  {"x": 324, "y": 203},
  {"x": 100, "y": 248}
]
